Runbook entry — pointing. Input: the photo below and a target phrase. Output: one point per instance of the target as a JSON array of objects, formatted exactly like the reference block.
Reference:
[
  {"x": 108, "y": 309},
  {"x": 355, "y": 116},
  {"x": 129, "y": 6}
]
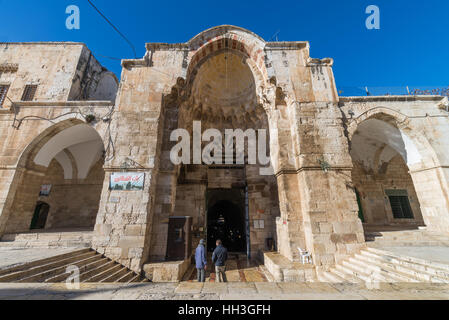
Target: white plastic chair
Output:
[{"x": 306, "y": 257}]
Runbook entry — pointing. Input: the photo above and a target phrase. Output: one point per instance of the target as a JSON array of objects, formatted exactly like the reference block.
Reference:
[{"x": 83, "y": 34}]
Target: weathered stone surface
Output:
[{"x": 324, "y": 150}]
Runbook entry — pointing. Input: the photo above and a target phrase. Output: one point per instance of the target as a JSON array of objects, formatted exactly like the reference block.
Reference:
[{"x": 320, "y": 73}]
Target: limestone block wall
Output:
[
  {"x": 263, "y": 206},
  {"x": 24, "y": 201},
  {"x": 372, "y": 185},
  {"x": 91, "y": 80},
  {"x": 51, "y": 66},
  {"x": 61, "y": 70},
  {"x": 73, "y": 203},
  {"x": 123, "y": 228},
  {"x": 322, "y": 207}
]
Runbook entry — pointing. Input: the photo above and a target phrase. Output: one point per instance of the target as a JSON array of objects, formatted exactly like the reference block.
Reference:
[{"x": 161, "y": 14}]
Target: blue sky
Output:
[{"x": 411, "y": 48}]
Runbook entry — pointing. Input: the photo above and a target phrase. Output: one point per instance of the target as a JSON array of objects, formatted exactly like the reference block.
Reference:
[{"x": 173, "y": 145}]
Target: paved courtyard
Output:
[
  {"x": 10, "y": 257},
  {"x": 226, "y": 291},
  {"x": 238, "y": 269},
  {"x": 247, "y": 282}
]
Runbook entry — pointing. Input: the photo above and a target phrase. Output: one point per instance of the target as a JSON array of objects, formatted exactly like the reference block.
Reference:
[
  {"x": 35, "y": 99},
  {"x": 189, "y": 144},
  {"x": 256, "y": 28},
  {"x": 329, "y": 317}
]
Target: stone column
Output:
[
  {"x": 124, "y": 218},
  {"x": 332, "y": 228},
  {"x": 123, "y": 230},
  {"x": 289, "y": 226},
  {"x": 431, "y": 176}
]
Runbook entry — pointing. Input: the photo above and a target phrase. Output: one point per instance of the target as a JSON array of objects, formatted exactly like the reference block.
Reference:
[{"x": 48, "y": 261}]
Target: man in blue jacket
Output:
[
  {"x": 219, "y": 257},
  {"x": 201, "y": 262}
]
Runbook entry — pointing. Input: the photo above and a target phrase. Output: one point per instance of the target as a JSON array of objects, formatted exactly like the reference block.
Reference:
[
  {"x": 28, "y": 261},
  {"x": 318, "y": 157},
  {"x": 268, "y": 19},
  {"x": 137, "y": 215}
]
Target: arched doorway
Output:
[
  {"x": 40, "y": 216},
  {"x": 60, "y": 182},
  {"x": 226, "y": 219},
  {"x": 382, "y": 156},
  {"x": 221, "y": 92}
]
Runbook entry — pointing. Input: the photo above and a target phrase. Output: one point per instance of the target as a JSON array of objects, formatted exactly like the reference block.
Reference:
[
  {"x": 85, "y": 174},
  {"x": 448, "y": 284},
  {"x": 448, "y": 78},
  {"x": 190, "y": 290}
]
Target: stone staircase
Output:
[
  {"x": 73, "y": 238},
  {"x": 405, "y": 238},
  {"x": 93, "y": 268},
  {"x": 374, "y": 265}
]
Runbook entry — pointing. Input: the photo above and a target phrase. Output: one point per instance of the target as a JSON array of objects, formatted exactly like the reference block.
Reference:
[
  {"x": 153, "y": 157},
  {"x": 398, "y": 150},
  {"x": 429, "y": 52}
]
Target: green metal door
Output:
[{"x": 359, "y": 202}]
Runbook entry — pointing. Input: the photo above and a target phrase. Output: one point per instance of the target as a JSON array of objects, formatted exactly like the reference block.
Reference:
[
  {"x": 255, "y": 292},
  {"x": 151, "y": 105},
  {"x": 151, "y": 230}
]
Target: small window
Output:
[
  {"x": 3, "y": 92},
  {"x": 29, "y": 92},
  {"x": 400, "y": 204}
]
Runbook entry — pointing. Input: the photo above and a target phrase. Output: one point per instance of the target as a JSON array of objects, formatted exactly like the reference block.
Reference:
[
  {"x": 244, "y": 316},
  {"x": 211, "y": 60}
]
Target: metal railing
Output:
[{"x": 392, "y": 91}]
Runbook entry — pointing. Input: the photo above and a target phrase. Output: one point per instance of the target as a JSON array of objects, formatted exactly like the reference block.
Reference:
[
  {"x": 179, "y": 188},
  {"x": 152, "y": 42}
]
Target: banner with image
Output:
[{"x": 127, "y": 181}]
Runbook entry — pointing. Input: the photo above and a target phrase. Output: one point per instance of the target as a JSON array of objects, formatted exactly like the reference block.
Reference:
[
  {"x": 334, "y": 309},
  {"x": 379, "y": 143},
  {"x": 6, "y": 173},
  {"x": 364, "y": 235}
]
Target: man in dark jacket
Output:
[
  {"x": 201, "y": 262},
  {"x": 219, "y": 258}
]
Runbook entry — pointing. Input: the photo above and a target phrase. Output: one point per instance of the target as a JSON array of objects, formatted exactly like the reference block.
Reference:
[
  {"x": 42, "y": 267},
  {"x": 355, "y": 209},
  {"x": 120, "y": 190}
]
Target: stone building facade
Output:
[{"x": 339, "y": 165}]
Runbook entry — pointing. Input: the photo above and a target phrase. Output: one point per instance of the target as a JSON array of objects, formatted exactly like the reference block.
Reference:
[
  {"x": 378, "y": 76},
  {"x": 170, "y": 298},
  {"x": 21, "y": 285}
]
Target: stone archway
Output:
[
  {"x": 222, "y": 91},
  {"x": 226, "y": 219},
  {"x": 62, "y": 167},
  {"x": 391, "y": 161}
]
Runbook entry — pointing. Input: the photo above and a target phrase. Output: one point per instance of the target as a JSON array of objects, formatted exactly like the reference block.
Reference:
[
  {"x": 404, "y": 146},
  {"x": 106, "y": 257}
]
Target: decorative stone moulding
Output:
[
  {"x": 444, "y": 104},
  {"x": 325, "y": 62},
  {"x": 9, "y": 67}
]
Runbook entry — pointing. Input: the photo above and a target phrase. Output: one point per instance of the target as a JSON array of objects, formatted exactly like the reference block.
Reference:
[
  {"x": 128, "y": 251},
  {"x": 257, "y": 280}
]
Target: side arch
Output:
[
  {"x": 383, "y": 133},
  {"x": 61, "y": 167}
]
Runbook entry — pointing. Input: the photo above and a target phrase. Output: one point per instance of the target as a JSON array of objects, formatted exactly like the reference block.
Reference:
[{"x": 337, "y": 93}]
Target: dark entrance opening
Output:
[
  {"x": 40, "y": 216},
  {"x": 226, "y": 220},
  {"x": 179, "y": 241}
]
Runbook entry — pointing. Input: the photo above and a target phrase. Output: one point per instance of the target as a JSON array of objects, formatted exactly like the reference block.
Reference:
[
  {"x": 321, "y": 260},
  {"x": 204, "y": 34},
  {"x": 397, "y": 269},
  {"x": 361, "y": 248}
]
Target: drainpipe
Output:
[{"x": 248, "y": 240}]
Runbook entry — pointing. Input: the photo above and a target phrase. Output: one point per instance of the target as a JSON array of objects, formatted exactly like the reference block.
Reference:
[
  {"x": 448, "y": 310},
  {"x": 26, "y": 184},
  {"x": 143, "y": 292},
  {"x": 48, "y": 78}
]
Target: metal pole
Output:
[{"x": 248, "y": 241}]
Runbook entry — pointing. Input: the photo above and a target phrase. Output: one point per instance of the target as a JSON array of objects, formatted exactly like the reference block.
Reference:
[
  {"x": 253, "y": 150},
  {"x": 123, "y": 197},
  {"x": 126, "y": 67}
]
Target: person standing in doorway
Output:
[
  {"x": 219, "y": 258},
  {"x": 200, "y": 261}
]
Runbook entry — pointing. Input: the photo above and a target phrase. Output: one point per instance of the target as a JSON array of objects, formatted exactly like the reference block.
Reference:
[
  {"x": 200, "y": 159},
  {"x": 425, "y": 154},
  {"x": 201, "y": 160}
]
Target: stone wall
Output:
[
  {"x": 73, "y": 203},
  {"x": 372, "y": 185},
  {"x": 262, "y": 195},
  {"x": 62, "y": 71},
  {"x": 123, "y": 228},
  {"x": 28, "y": 126}
]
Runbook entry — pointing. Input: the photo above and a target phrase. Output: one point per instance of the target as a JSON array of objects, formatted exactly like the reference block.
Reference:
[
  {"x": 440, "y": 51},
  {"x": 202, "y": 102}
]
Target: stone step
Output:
[
  {"x": 90, "y": 273},
  {"x": 360, "y": 273},
  {"x": 127, "y": 277},
  {"x": 104, "y": 274},
  {"x": 386, "y": 272},
  {"x": 40, "y": 267},
  {"x": 373, "y": 265},
  {"x": 135, "y": 279},
  {"x": 41, "y": 277},
  {"x": 82, "y": 269},
  {"x": 387, "y": 243},
  {"x": 346, "y": 274},
  {"x": 93, "y": 267},
  {"x": 114, "y": 276},
  {"x": 329, "y": 276},
  {"x": 406, "y": 274},
  {"x": 32, "y": 264},
  {"x": 406, "y": 238},
  {"x": 409, "y": 270},
  {"x": 424, "y": 270}
]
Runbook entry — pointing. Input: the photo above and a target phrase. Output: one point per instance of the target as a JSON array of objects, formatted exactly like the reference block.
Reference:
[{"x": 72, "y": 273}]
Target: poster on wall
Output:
[
  {"x": 45, "y": 190},
  {"x": 127, "y": 181}
]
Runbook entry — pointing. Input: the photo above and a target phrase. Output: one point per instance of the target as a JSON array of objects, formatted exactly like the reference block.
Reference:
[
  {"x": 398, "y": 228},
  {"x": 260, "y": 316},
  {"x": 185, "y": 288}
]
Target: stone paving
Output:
[
  {"x": 238, "y": 269},
  {"x": 429, "y": 253},
  {"x": 10, "y": 257},
  {"x": 226, "y": 291}
]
